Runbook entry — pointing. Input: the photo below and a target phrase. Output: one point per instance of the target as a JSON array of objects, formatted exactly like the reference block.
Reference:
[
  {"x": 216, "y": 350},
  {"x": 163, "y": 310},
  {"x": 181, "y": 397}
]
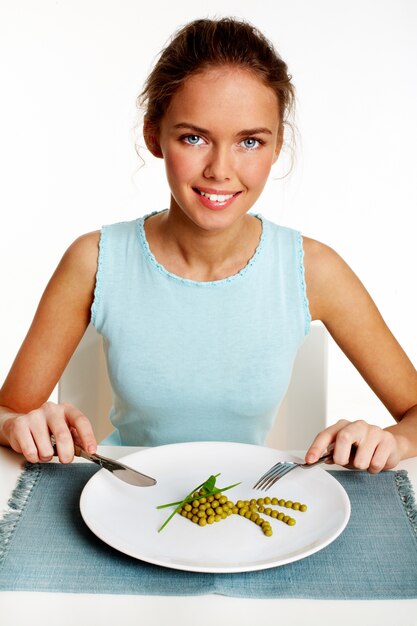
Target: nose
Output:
[{"x": 219, "y": 165}]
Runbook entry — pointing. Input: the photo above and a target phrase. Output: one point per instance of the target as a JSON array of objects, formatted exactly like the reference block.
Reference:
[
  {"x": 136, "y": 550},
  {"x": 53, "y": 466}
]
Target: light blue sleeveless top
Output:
[{"x": 198, "y": 361}]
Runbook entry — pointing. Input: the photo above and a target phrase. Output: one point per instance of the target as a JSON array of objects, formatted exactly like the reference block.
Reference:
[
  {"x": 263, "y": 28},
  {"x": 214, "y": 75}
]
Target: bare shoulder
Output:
[
  {"x": 332, "y": 286},
  {"x": 319, "y": 258},
  {"x": 82, "y": 254},
  {"x": 72, "y": 284}
]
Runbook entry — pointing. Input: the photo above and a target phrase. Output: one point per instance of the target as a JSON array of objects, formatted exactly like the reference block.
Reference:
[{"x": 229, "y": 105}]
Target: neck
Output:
[{"x": 187, "y": 250}]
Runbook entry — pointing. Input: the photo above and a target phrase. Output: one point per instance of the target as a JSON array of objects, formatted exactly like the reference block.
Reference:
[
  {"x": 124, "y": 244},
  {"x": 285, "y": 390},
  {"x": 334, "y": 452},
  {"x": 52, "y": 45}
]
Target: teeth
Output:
[{"x": 214, "y": 197}]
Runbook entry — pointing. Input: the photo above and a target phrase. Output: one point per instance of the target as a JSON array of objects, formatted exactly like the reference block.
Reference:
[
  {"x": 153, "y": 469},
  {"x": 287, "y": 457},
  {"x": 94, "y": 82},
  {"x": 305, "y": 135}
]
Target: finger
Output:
[
  {"x": 323, "y": 440},
  {"x": 384, "y": 455},
  {"x": 64, "y": 444},
  {"x": 56, "y": 423},
  {"x": 41, "y": 436},
  {"x": 368, "y": 439},
  {"x": 21, "y": 440},
  {"x": 351, "y": 438},
  {"x": 43, "y": 444},
  {"x": 84, "y": 434}
]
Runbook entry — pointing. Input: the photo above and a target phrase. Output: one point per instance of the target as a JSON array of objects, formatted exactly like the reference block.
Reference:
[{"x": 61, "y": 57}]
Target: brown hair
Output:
[{"x": 206, "y": 43}]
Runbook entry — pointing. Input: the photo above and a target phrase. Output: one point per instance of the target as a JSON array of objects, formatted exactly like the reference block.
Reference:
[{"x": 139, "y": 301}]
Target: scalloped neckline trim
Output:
[{"x": 187, "y": 281}]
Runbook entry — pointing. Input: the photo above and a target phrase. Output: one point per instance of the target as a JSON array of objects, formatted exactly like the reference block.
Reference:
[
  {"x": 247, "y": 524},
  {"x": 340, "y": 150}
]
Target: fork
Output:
[{"x": 282, "y": 468}]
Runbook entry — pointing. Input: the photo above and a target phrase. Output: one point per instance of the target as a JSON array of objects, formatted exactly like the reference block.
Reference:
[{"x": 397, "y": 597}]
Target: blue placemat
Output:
[{"x": 45, "y": 546}]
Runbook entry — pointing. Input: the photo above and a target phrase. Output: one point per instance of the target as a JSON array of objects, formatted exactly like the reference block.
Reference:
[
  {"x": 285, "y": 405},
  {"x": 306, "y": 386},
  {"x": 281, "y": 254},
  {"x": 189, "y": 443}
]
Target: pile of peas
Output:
[{"x": 203, "y": 510}]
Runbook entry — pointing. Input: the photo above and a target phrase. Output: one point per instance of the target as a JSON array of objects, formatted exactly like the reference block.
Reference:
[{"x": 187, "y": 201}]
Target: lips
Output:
[{"x": 214, "y": 198}]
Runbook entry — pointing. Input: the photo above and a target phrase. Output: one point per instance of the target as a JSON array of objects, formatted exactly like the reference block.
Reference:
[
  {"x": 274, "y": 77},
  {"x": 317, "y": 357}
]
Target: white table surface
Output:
[{"x": 45, "y": 609}]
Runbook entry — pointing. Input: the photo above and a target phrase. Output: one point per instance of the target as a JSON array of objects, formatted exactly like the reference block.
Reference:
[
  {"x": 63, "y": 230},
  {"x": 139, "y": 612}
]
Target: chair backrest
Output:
[
  {"x": 85, "y": 383},
  {"x": 302, "y": 413}
]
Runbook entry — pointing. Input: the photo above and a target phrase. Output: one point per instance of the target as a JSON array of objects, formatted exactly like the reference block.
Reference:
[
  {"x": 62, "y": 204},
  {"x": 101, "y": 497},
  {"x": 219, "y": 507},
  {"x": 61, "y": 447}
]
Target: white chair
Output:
[
  {"x": 301, "y": 416},
  {"x": 85, "y": 383},
  {"x": 303, "y": 411}
]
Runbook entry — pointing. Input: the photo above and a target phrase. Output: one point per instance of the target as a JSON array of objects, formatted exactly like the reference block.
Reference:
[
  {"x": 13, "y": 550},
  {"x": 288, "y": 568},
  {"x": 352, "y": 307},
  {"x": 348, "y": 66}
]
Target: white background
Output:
[{"x": 70, "y": 74}]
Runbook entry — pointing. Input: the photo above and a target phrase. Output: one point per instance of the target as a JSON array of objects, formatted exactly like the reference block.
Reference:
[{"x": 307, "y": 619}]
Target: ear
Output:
[
  {"x": 150, "y": 133},
  {"x": 278, "y": 147}
]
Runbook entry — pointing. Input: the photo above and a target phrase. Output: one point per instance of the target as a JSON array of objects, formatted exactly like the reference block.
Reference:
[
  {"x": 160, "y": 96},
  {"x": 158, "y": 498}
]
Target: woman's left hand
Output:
[{"x": 376, "y": 449}]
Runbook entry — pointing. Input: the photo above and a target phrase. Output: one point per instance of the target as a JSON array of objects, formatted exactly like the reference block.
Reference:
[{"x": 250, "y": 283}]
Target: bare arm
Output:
[
  {"x": 341, "y": 302},
  {"x": 63, "y": 314}
]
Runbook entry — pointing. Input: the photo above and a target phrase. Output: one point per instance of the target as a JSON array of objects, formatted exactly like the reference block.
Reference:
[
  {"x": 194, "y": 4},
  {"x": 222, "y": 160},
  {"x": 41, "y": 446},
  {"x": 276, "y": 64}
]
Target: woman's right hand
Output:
[{"x": 30, "y": 433}]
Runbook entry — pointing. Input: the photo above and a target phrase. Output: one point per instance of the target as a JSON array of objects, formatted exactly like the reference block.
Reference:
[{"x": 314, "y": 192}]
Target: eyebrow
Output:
[{"x": 243, "y": 133}]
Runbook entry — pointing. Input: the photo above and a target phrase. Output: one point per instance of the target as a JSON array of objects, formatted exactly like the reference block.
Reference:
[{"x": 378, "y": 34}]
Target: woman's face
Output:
[{"x": 219, "y": 139}]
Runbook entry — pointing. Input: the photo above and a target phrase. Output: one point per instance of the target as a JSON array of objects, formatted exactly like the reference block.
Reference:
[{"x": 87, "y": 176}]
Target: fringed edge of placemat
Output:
[
  {"x": 406, "y": 493},
  {"x": 16, "y": 505}
]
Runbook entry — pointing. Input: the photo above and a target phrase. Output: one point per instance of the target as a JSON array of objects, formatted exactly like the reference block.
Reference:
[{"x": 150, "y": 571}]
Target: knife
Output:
[{"x": 121, "y": 471}]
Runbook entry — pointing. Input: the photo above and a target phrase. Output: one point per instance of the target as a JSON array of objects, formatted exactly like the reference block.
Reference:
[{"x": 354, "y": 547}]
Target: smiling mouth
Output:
[{"x": 216, "y": 197}]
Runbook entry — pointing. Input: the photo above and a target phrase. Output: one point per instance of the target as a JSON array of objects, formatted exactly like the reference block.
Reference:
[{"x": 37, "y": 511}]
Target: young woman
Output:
[{"x": 203, "y": 306}]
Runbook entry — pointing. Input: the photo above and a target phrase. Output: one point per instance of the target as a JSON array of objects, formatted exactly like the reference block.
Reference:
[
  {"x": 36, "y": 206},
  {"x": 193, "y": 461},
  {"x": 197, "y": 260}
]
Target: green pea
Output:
[
  {"x": 274, "y": 514},
  {"x": 202, "y": 521},
  {"x": 260, "y": 501},
  {"x": 274, "y": 501},
  {"x": 288, "y": 504},
  {"x": 281, "y": 502},
  {"x": 217, "y": 518},
  {"x": 291, "y": 521},
  {"x": 268, "y": 510},
  {"x": 303, "y": 508},
  {"x": 267, "y": 500},
  {"x": 210, "y": 519}
]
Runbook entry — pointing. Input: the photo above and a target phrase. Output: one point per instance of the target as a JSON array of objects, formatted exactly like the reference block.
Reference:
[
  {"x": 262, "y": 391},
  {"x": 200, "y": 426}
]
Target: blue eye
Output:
[
  {"x": 192, "y": 139},
  {"x": 250, "y": 143}
]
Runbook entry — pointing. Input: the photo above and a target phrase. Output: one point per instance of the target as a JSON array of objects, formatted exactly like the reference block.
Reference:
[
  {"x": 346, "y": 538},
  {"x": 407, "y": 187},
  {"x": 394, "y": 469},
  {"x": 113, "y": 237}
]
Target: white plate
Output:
[{"x": 126, "y": 517}]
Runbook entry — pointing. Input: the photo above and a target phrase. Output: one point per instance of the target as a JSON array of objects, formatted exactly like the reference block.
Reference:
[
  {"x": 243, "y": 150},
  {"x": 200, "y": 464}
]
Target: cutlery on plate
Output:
[
  {"x": 280, "y": 469},
  {"x": 121, "y": 471}
]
